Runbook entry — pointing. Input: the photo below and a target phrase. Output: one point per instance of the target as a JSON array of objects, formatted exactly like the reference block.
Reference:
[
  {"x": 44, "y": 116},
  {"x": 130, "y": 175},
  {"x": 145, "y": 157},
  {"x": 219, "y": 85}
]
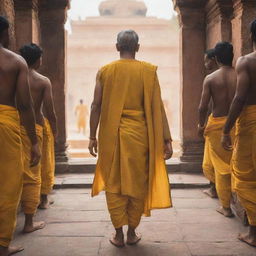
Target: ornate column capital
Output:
[
  {"x": 191, "y": 13},
  {"x": 53, "y": 11},
  {"x": 25, "y": 5},
  {"x": 54, "y": 4},
  {"x": 218, "y": 9}
]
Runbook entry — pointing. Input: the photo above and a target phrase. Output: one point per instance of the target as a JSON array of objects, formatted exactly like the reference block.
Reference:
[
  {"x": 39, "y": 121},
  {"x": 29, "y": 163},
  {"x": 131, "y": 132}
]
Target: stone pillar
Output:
[
  {"x": 26, "y": 22},
  {"x": 218, "y": 22},
  {"x": 7, "y": 10},
  {"x": 192, "y": 48},
  {"x": 52, "y": 16},
  {"x": 244, "y": 14}
]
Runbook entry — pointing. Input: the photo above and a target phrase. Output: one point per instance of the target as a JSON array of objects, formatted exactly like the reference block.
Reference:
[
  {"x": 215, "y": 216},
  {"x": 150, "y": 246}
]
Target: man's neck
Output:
[
  {"x": 127, "y": 55},
  {"x": 254, "y": 47}
]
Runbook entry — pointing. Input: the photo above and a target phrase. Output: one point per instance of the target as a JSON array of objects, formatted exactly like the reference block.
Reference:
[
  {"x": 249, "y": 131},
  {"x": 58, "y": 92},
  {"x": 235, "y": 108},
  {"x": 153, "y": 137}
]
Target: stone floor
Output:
[{"x": 78, "y": 225}]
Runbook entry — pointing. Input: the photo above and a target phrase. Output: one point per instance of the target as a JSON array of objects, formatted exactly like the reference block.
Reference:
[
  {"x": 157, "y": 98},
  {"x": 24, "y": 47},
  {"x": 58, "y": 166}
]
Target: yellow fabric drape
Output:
[
  {"x": 124, "y": 210},
  {"x": 244, "y": 162},
  {"x": 82, "y": 112},
  {"x": 48, "y": 159},
  {"x": 30, "y": 197},
  {"x": 219, "y": 158},
  {"x": 207, "y": 163},
  {"x": 116, "y": 85},
  {"x": 11, "y": 171}
]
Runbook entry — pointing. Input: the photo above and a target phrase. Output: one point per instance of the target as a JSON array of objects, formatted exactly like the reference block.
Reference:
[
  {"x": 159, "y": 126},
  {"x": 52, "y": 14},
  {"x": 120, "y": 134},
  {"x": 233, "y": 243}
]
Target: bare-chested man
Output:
[
  {"x": 210, "y": 66},
  {"x": 41, "y": 94},
  {"x": 220, "y": 87},
  {"x": 244, "y": 157},
  {"x": 14, "y": 94}
]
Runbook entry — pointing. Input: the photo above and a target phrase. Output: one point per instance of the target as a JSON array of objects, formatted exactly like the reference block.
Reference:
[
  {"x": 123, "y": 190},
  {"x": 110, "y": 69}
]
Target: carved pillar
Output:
[
  {"x": 244, "y": 14},
  {"x": 218, "y": 21},
  {"x": 7, "y": 10},
  {"x": 192, "y": 48},
  {"x": 26, "y": 22},
  {"x": 52, "y": 16}
]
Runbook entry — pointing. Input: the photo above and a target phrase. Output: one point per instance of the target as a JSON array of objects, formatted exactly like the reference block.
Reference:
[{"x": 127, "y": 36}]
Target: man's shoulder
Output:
[
  {"x": 13, "y": 57},
  {"x": 149, "y": 66},
  {"x": 111, "y": 64},
  {"x": 43, "y": 80}
]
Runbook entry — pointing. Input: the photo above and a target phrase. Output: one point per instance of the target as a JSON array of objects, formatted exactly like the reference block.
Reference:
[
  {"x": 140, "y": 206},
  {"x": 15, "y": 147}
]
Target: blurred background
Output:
[{"x": 92, "y": 27}]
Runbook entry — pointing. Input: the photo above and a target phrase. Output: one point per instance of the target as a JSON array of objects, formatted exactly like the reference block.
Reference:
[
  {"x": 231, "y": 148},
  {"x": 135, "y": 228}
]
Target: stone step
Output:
[
  {"x": 84, "y": 153},
  {"x": 177, "y": 180},
  {"x": 87, "y": 166}
]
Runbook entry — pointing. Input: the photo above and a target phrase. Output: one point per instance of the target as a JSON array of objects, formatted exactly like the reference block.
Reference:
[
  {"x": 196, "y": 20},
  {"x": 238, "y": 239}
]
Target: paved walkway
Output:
[{"x": 78, "y": 225}]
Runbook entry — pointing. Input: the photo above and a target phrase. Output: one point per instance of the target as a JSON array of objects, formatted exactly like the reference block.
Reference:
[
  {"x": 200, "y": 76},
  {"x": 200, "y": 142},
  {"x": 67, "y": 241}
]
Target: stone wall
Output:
[{"x": 7, "y": 10}]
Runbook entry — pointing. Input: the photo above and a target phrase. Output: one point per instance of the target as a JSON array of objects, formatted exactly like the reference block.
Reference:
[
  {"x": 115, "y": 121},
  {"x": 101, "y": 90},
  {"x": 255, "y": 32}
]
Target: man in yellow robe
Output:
[
  {"x": 134, "y": 139},
  {"x": 210, "y": 66},
  {"x": 81, "y": 113},
  {"x": 48, "y": 160},
  {"x": 220, "y": 87},
  {"x": 41, "y": 94},
  {"x": 14, "y": 94},
  {"x": 243, "y": 109}
]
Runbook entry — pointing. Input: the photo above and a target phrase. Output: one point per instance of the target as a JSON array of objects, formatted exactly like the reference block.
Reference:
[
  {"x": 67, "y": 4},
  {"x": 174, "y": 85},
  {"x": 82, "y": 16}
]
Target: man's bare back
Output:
[
  {"x": 11, "y": 66},
  {"x": 222, "y": 86},
  {"x": 38, "y": 85},
  {"x": 247, "y": 64}
]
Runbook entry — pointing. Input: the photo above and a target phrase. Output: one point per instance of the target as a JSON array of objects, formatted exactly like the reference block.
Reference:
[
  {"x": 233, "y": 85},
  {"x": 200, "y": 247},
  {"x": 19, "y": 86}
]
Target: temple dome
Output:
[{"x": 123, "y": 8}]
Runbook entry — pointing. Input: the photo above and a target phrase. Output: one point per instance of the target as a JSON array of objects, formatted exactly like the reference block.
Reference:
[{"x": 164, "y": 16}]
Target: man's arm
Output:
[
  {"x": 243, "y": 83},
  {"x": 24, "y": 105},
  {"x": 168, "y": 150},
  {"x": 204, "y": 104},
  {"x": 49, "y": 107},
  {"x": 95, "y": 115}
]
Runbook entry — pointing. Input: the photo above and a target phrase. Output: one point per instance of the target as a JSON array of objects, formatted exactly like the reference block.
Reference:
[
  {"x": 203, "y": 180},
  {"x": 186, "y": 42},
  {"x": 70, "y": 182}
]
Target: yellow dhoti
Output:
[
  {"x": 244, "y": 162},
  {"x": 219, "y": 158},
  {"x": 133, "y": 127},
  {"x": 11, "y": 171},
  {"x": 32, "y": 175},
  {"x": 81, "y": 123},
  {"x": 48, "y": 160}
]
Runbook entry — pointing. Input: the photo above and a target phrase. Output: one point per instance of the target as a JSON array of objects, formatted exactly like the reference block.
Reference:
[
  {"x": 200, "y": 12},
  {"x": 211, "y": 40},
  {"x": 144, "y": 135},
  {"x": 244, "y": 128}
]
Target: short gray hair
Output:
[{"x": 127, "y": 40}]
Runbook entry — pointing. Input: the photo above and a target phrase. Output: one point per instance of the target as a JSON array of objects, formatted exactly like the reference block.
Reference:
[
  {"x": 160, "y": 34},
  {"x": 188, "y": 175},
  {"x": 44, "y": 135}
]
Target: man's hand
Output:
[
  {"x": 200, "y": 131},
  {"x": 168, "y": 151},
  {"x": 226, "y": 142},
  {"x": 35, "y": 155},
  {"x": 93, "y": 147}
]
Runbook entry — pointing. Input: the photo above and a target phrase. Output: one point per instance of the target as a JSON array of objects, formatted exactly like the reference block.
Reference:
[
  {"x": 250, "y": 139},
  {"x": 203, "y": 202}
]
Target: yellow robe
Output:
[
  {"x": 244, "y": 162},
  {"x": 11, "y": 171},
  {"x": 133, "y": 127},
  {"x": 82, "y": 112},
  {"x": 48, "y": 159},
  {"x": 30, "y": 197},
  {"x": 219, "y": 158}
]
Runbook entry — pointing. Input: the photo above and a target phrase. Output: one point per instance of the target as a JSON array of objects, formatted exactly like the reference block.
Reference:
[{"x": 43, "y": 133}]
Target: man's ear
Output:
[
  {"x": 117, "y": 47},
  {"x": 138, "y": 48}
]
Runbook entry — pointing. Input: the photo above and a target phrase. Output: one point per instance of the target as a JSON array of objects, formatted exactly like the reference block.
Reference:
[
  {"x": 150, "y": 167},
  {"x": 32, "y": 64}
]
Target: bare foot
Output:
[
  {"x": 211, "y": 192},
  {"x": 250, "y": 237},
  {"x": 133, "y": 239},
  {"x": 227, "y": 212},
  {"x": 34, "y": 227},
  {"x": 117, "y": 241},
  {"x": 10, "y": 250},
  {"x": 45, "y": 202}
]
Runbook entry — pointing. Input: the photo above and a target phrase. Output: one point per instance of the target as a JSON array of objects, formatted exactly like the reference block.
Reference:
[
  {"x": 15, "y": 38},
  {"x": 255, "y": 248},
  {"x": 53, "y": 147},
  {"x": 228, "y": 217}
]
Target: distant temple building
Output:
[{"x": 92, "y": 45}]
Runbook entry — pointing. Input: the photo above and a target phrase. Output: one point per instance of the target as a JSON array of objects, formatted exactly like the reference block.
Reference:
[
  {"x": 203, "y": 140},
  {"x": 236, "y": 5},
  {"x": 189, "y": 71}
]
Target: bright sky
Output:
[{"x": 86, "y": 8}]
